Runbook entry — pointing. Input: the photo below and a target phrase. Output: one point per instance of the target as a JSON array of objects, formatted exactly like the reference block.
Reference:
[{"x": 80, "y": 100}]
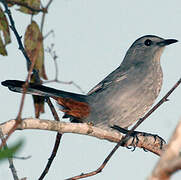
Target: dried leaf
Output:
[
  {"x": 10, "y": 5},
  {"x": 31, "y": 3},
  {"x": 34, "y": 47},
  {"x": 38, "y": 105},
  {"x": 44, "y": 73},
  {"x": 39, "y": 101},
  {"x": 2, "y": 48},
  {"x": 4, "y": 27}
]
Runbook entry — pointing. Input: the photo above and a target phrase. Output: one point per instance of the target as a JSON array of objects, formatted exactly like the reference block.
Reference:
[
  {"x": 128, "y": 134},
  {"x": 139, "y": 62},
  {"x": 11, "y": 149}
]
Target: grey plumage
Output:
[{"x": 127, "y": 93}]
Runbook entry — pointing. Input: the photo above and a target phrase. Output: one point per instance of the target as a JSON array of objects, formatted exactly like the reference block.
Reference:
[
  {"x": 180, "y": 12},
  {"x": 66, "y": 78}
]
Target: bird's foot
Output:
[
  {"x": 156, "y": 137},
  {"x": 135, "y": 134}
]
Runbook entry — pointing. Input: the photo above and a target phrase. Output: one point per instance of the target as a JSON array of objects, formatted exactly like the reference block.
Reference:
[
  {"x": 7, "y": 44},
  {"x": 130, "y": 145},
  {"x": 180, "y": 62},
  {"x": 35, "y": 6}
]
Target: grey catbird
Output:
[{"x": 122, "y": 97}]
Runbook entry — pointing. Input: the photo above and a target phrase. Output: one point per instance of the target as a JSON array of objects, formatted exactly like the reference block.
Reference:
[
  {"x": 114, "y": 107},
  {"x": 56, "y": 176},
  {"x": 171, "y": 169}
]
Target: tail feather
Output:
[{"x": 40, "y": 90}]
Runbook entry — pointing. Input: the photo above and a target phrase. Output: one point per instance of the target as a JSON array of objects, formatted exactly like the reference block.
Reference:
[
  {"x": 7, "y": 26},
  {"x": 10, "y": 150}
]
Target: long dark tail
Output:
[{"x": 40, "y": 90}]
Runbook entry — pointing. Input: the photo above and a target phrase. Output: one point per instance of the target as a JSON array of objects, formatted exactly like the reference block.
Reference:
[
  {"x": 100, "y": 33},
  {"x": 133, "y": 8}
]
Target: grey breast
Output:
[{"x": 127, "y": 93}]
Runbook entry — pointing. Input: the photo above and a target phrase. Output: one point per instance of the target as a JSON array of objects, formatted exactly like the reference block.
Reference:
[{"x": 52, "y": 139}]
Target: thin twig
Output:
[
  {"x": 54, "y": 57},
  {"x": 57, "y": 141},
  {"x": 31, "y": 69},
  {"x": 54, "y": 113},
  {"x": 25, "y": 87},
  {"x": 123, "y": 141},
  {"x": 48, "y": 4},
  {"x": 44, "y": 13},
  {"x": 50, "y": 160},
  {"x": 164, "y": 99},
  {"x": 42, "y": 22},
  {"x": 21, "y": 158},
  {"x": 46, "y": 35},
  {"x": 10, "y": 160},
  {"x": 13, "y": 27}
]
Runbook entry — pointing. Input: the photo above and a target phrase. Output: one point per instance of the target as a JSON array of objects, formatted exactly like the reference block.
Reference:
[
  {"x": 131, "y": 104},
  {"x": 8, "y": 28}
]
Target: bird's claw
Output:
[
  {"x": 155, "y": 136},
  {"x": 135, "y": 134}
]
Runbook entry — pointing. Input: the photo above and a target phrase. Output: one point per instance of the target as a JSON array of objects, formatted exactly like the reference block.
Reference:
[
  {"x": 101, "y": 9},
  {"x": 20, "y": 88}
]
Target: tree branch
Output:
[
  {"x": 146, "y": 142},
  {"x": 124, "y": 140},
  {"x": 30, "y": 69},
  {"x": 57, "y": 141},
  {"x": 43, "y": 16},
  {"x": 170, "y": 161}
]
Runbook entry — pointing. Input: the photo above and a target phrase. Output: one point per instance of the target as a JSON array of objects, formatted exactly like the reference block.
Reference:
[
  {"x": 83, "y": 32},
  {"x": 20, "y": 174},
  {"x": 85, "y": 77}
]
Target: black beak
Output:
[{"x": 167, "y": 42}]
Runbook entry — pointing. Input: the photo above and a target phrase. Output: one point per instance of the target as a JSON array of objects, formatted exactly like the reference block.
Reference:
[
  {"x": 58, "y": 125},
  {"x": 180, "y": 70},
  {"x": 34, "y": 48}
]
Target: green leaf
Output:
[{"x": 9, "y": 152}]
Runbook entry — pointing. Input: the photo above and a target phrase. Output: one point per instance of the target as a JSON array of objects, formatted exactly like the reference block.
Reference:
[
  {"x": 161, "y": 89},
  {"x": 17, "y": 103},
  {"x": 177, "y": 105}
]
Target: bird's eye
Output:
[{"x": 148, "y": 42}]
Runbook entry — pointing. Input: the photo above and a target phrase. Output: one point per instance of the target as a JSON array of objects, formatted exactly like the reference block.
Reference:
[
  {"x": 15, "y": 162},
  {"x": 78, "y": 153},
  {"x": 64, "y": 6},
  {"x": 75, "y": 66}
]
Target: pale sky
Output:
[{"x": 91, "y": 39}]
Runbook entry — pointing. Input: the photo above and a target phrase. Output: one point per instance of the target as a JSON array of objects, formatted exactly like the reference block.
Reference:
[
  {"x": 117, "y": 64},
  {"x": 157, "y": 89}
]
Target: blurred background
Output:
[{"x": 90, "y": 39}]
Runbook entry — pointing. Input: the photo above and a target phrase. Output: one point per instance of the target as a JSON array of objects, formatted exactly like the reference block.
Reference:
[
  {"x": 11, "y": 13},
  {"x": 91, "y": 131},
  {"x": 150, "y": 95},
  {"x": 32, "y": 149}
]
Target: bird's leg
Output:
[{"x": 135, "y": 135}]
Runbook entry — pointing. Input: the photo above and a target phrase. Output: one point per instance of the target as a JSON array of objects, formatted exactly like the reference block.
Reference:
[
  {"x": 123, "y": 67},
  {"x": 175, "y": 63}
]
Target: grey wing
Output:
[{"x": 116, "y": 76}]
